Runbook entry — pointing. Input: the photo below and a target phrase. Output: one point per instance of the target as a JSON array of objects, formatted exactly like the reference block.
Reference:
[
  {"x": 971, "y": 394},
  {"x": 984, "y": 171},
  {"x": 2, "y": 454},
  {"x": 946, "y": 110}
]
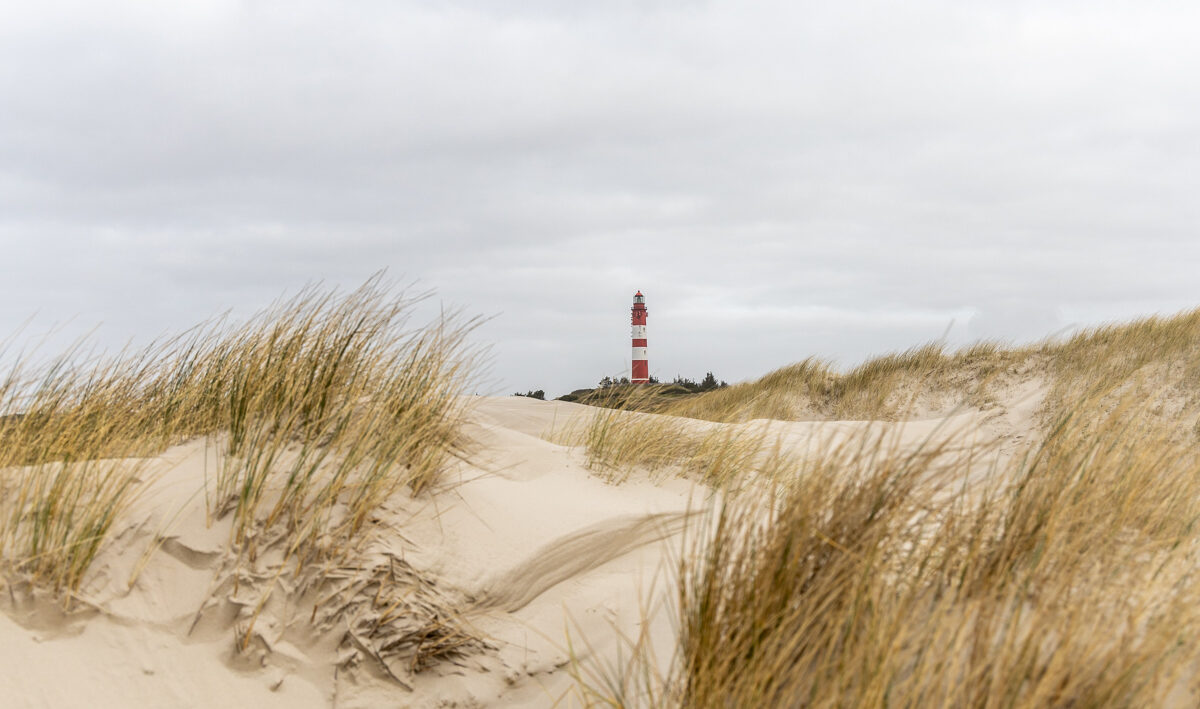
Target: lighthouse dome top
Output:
[{"x": 639, "y": 298}]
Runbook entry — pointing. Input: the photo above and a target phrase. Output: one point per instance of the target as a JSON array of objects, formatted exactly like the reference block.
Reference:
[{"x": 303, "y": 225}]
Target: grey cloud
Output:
[{"x": 782, "y": 179}]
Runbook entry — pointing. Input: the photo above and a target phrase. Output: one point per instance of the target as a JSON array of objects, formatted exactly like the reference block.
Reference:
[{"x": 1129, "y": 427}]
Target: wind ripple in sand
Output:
[{"x": 575, "y": 554}]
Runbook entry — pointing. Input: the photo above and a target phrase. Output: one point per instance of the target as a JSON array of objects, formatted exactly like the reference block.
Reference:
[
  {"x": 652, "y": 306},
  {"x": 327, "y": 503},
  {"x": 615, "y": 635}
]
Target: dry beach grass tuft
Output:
[
  {"x": 821, "y": 556},
  {"x": 1063, "y": 576},
  {"x": 316, "y": 411}
]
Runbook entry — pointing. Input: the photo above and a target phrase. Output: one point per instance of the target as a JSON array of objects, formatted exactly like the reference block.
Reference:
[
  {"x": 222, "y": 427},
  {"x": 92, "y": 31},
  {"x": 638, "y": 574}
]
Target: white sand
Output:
[{"x": 524, "y": 537}]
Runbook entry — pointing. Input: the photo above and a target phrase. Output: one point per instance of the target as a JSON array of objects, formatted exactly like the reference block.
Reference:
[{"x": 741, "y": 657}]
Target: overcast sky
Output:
[{"x": 781, "y": 179}]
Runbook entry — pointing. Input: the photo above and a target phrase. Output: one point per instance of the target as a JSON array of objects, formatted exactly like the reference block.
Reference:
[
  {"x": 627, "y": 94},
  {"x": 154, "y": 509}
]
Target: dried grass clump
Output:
[
  {"x": 331, "y": 404},
  {"x": 887, "y": 578},
  {"x": 384, "y": 614},
  {"x": 789, "y": 393},
  {"x": 320, "y": 408},
  {"x": 71, "y": 434},
  {"x": 883, "y": 388},
  {"x": 1156, "y": 358},
  {"x": 617, "y": 441},
  {"x": 620, "y": 441}
]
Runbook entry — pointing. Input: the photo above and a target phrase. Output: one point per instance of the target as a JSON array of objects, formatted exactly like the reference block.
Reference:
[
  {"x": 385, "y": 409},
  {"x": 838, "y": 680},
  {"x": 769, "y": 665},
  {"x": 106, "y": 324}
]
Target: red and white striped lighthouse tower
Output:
[{"x": 641, "y": 366}]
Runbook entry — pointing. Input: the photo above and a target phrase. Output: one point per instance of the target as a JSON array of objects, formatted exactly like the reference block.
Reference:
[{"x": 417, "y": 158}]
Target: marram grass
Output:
[
  {"x": 882, "y": 577},
  {"x": 619, "y": 442},
  {"x": 1064, "y": 577},
  {"x": 320, "y": 407},
  {"x": 1154, "y": 357}
]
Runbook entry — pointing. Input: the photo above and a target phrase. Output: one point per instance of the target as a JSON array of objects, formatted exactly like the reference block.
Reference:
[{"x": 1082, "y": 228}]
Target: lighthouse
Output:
[{"x": 641, "y": 366}]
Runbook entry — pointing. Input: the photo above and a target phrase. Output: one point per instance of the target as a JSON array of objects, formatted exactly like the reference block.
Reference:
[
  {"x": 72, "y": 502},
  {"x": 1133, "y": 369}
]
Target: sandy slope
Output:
[{"x": 524, "y": 541}]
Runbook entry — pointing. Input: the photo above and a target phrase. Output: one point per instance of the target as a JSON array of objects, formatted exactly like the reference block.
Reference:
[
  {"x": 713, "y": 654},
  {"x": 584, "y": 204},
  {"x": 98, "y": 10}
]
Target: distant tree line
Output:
[
  {"x": 615, "y": 384},
  {"x": 708, "y": 383},
  {"x": 610, "y": 382}
]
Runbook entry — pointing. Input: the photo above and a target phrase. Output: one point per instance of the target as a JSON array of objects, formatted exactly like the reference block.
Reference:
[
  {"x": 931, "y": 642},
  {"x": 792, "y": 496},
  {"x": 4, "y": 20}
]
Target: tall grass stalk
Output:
[
  {"x": 1156, "y": 358},
  {"x": 333, "y": 405},
  {"x": 884, "y": 577},
  {"x": 322, "y": 406},
  {"x": 621, "y": 441}
]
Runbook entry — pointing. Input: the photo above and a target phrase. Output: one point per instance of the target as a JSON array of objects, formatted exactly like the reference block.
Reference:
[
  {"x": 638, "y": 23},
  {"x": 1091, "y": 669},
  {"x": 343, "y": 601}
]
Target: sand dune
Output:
[
  {"x": 523, "y": 545},
  {"x": 577, "y": 553}
]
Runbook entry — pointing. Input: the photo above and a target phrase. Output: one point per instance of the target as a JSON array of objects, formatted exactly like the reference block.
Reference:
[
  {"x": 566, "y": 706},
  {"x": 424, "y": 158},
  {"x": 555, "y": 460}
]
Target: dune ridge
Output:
[{"x": 542, "y": 564}]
